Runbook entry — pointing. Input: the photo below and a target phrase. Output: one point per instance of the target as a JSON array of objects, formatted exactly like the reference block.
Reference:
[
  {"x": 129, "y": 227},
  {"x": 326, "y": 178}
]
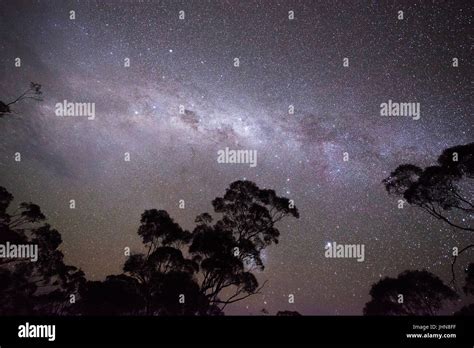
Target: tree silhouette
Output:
[
  {"x": 439, "y": 189},
  {"x": 411, "y": 293},
  {"x": 28, "y": 287},
  {"x": 34, "y": 92},
  {"x": 444, "y": 191},
  {"x": 469, "y": 286},
  {"x": 230, "y": 249},
  {"x": 163, "y": 274},
  {"x": 468, "y": 289}
]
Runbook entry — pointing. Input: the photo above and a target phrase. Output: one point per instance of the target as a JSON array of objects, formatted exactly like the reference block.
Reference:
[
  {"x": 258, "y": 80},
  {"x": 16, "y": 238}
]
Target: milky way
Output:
[{"x": 190, "y": 62}]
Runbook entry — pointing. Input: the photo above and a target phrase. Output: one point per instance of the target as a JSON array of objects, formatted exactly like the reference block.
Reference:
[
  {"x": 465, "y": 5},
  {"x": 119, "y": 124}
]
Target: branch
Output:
[
  {"x": 432, "y": 211},
  {"x": 462, "y": 199},
  {"x": 232, "y": 300},
  {"x": 455, "y": 257},
  {"x": 19, "y": 98}
]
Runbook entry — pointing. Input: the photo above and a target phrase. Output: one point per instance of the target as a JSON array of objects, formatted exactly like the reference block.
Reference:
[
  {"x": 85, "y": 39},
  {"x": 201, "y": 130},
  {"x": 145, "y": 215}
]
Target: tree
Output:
[
  {"x": 444, "y": 191},
  {"x": 439, "y": 189},
  {"x": 469, "y": 286},
  {"x": 411, "y": 293},
  {"x": 230, "y": 249},
  {"x": 164, "y": 275},
  {"x": 28, "y": 287},
  {"x": 468, "y": 289},
  {"x": 34, "y": 92}
]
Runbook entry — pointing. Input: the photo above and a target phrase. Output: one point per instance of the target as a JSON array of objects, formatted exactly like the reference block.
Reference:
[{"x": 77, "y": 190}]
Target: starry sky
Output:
[{"x": 283, "y": 62}]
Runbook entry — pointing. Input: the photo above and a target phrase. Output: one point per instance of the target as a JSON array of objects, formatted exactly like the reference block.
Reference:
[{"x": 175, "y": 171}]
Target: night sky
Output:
[{"x": 283, "y": 62}]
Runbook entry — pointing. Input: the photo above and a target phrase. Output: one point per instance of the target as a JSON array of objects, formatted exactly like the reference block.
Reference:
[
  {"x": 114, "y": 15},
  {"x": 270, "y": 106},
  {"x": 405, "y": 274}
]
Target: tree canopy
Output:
[{"x": 411, "y": 293}]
